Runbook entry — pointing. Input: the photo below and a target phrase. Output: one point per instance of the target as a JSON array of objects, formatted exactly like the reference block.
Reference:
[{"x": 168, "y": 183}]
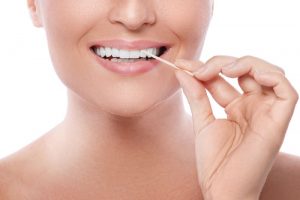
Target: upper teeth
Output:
[{"x": 121, "y": 53}]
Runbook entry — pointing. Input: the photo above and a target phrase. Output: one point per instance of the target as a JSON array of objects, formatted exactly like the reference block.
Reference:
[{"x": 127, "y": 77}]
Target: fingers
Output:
[
  {"x": 257, "y": 75},
  {"x": 254, "y": 75},
  {"x": 287, "y": 97},
  {"x": 190, "y": 65},
  {"x": 208, "y": 70},
  {"x": 244, "y": 69},
  {"x": 222, "y": 92},
  {"x": 248, "y": 84},
  {"x": 197, "y": 99},
  {"x": 248, "y": 65},
  {"x": 213, "y": 67}
]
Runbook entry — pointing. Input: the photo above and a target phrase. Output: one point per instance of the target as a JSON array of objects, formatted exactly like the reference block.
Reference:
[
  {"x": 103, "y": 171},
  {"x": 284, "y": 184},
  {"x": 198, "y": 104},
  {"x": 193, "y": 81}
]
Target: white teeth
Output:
[
  {"x": 134, "y": 54},
  {"x": 115, "y": 52},
  {"x": 101, "y": 52},
  {"x": 108, "y": 52},
  {"x": 124, "y": 54},
  {"x": 155, "y": 51},
  {"x": 150, "y": 51},
  {"x": 124, "y": 60},
  {"x": 142, "y": 54}
]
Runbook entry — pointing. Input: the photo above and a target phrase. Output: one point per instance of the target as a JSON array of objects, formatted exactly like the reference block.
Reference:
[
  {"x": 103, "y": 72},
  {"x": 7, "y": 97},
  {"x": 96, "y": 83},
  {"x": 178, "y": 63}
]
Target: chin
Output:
[
  {"x": 129, "y": 112},
  {"x": 132, "y": 106},
  {"x": 135, "y": 104}
]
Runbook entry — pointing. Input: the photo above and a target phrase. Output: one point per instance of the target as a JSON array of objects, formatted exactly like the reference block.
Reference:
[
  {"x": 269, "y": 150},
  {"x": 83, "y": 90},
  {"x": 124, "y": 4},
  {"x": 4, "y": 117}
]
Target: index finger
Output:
[{"x": 190, "y": 65}]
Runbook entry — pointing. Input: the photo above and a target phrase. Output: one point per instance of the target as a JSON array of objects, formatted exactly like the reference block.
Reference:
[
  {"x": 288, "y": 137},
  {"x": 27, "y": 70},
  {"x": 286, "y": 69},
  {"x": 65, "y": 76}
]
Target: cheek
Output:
[
  {"x": 189, "y": 20},
  {"x": 65, "y": 23}
]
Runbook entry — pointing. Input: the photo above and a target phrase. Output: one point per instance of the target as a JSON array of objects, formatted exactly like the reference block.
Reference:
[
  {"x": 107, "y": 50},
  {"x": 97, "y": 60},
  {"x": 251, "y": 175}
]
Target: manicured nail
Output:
[
  {"x": 200, "y": 70},
  {"x": 261, "y": 72},
  {"x": 230, "y": 65},
  {"x": 180, "y": 78}
]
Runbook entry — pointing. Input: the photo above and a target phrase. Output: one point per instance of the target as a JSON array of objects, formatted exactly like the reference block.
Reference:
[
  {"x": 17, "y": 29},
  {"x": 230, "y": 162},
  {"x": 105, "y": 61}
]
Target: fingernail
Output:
[
  {"x": 180, "y": 78},
  {"x": 183, "y": 82},
  {"x": 200, "y": 70},
  {"x": 261, "y": 72},
  {"x": 230, "y": 65}
]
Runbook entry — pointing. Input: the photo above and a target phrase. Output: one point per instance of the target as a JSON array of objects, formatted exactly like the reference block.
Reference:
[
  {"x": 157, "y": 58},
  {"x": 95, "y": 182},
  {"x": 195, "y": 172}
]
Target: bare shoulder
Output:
[
  {"x": 5, "y": 181},
  {"x": 18, "y": 171},
  {"x": 12, "y": 185},
  {"x": 283, "y": 181},
  {"x": 12, "y": 170}
]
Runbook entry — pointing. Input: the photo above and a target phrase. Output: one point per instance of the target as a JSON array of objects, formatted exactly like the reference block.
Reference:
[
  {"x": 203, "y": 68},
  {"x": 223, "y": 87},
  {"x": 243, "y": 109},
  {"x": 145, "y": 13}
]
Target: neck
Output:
[
  {"x": 91, "y": 137},
  {"x": 91, "y": 148},
  {"x": 160, "y": 122}
]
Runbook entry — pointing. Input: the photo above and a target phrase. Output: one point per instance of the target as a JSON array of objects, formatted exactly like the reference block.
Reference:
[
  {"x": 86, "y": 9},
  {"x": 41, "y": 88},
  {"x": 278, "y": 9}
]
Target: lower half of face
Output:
[{"x": 87, "y": 39}]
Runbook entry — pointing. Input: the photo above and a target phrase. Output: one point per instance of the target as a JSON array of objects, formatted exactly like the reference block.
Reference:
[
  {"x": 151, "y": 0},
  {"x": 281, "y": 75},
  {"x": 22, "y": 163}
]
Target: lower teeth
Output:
[{"x": 127, "y": 59}]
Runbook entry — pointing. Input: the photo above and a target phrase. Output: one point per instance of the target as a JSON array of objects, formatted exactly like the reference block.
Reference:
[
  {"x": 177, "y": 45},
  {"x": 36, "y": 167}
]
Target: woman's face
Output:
[{"x": 73, "y": 27}]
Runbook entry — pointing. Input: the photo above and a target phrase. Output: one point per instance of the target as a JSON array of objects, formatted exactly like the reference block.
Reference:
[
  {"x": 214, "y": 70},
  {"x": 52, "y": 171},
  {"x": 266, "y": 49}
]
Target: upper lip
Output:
[{"x": 129, "y": 45}]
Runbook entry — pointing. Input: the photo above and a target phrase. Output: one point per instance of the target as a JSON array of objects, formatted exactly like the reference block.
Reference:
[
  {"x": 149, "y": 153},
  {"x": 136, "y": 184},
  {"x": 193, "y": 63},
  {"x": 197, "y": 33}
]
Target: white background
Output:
[{"x": 33, "y": 100}]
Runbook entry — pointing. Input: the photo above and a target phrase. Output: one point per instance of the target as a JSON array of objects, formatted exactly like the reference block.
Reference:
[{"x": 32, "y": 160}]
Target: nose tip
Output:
[
  {"x": 133, "y": 14},
  {"x": 134, "y": 23}
]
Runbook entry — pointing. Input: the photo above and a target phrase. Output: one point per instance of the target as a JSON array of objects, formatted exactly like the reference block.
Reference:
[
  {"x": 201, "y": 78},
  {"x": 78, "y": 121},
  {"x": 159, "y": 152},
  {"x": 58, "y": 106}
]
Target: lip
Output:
[{"x": 129, "y": 69}]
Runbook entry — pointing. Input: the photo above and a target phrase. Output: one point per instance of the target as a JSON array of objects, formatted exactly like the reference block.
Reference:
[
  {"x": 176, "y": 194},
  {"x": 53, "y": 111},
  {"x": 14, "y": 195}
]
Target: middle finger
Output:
[{"x": 222, "y": 92}]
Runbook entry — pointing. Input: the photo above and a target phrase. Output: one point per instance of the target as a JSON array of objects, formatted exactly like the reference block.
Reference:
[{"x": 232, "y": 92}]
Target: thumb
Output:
[{"x": 197, "y": 98}]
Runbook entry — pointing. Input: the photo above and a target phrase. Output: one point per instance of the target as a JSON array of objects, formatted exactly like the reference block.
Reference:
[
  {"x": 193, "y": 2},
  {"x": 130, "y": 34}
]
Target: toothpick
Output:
[{"x": 166, "y": 62}]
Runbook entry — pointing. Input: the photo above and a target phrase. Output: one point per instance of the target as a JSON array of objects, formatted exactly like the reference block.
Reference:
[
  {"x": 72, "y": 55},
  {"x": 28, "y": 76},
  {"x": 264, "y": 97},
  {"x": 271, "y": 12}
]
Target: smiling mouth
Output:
[{"x": 123, "y": 55}]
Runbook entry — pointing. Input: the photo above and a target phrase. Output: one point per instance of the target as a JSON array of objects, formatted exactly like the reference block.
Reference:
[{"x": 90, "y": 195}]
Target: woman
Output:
[{"x": 126, "y": 134}]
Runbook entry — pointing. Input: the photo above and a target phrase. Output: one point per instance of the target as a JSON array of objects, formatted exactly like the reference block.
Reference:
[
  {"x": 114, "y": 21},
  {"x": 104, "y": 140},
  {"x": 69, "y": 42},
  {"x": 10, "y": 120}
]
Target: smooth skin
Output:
[{"x": 112, "y": 144}]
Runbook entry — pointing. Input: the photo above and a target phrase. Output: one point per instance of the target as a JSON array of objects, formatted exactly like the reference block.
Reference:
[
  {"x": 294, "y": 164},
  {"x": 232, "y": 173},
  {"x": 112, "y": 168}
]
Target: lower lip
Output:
[{"x": 124, "y": 68}]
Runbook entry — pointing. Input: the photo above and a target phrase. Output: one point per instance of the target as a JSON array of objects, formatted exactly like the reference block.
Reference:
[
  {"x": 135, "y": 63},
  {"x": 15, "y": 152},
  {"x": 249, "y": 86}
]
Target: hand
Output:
[{"x": 235, "y": 155}]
